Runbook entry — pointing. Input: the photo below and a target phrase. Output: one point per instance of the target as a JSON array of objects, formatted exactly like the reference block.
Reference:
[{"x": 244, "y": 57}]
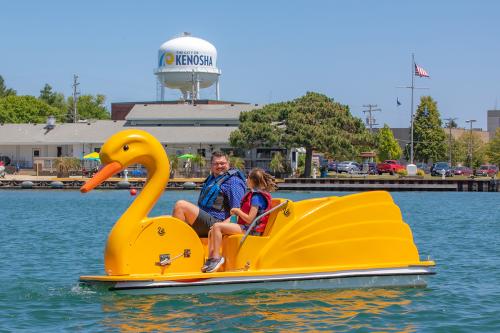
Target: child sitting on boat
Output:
[{"x": 255, "y": 202}]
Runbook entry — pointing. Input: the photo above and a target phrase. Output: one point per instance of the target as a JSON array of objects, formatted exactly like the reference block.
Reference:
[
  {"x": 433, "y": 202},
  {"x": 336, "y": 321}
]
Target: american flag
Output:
[{"x": 419, "y": 71}]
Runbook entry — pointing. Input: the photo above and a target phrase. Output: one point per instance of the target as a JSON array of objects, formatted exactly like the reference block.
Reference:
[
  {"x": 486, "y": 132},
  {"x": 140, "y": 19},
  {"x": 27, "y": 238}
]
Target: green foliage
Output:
[
  {"x": 89, "y": 107},
  {"x": 428, "y": 135},
  {"x": 276, "y": 163},
  {"x": 199, "y": 160},
  {"x": 27, "y": 109},
  {"x": 237, "y": 162},
  {"x": 52, "y": 98},
  {"x": 4, "y": 91},
  {"x": 388, "y": 148},
  {"x": 452, "y": 124},
  {"x": 479, "y": 149},
  {"x": 313, "y": 121},
  {"x": 494, "y": 148},
  {"x": 66, "y": 164},
  {"x": 174, "y": 162},
  {"x": 403, "y": 172},
  {"x": 420, "y": 172},
  {"x": 458, "y": 151}
]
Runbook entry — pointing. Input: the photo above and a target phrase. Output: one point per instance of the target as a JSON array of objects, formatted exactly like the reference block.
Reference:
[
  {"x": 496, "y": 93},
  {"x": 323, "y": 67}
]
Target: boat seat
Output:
[{"x": 272, "y": 217}]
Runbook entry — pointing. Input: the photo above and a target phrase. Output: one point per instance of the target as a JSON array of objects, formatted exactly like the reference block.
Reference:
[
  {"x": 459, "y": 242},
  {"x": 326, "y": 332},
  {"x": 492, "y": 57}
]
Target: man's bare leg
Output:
[{"x": 185, "y": 211}]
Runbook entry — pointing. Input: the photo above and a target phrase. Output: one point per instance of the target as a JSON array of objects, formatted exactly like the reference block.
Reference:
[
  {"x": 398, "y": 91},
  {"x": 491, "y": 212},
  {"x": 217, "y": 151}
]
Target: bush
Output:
[
  {"x": 402, "y": 173},
  {"x": 420, "y": 172}
]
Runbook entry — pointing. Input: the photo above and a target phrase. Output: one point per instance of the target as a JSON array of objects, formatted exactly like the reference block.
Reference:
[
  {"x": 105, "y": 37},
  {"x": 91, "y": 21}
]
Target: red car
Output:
[
  {"x": 462, "y": 171},
  {"x": 390, "y": 166},
  {"x": 487, "y": 170}
]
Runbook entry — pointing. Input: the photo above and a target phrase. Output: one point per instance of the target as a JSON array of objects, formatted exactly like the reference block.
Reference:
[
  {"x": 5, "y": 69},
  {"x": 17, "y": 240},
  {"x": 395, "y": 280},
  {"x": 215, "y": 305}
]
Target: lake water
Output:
[{"x": 49, "y": 238}]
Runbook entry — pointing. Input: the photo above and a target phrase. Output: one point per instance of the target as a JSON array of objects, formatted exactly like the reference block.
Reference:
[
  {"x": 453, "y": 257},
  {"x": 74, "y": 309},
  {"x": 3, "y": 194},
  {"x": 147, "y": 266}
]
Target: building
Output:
[
  {"x": 493, "y": 122},
  {"x": 181, "y": 128}
]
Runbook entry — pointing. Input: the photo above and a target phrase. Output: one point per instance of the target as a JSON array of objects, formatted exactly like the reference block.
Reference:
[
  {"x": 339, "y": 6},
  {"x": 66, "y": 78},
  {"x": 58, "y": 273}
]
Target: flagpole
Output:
[{"x": 411, "y": 120}]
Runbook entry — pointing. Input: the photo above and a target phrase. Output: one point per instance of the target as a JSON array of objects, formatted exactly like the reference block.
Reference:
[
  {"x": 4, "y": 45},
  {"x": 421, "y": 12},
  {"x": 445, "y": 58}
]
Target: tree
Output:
[
  {"x": 174, "y": 164},
  {"x": 237, "y": 162},
  {"x": 388, "y": 148},
  {"x": 429, "y": 139},
  {"x": 4, "y": 91},
  {"x": 52, "y": 98},
  {"x": 200, "y": 161},
  {"x": 88, "y": 107},
  {"x": 65, "y": 165},
  {"x": 27, "y": 109},
  {"x": 313, "y": 121},
  {"x": 276, "y": 164},
  {"x": 494, "y": 148},
  {"x": 458, "y": 152},
  {"x": 479, "y": 149}
]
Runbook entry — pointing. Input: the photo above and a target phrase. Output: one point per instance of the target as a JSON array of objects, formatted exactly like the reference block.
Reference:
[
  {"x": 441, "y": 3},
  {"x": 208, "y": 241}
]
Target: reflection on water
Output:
[{"x": 343, "y": 310}]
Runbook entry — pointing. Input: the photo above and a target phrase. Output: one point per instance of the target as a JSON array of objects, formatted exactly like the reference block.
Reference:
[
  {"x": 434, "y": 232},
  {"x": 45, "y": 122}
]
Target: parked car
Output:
[
  {"x": 348, "y": 167},
  {"x": 423, "y": 166},
  {"x": 439, "y": 167},
  {"x": 332, "y": 166},
  {"x": 369, "y": 168},
  {"x": 462, "y": 171},
  {"x": 487, "y": 170},
  {"x": 389, "y": 166}
]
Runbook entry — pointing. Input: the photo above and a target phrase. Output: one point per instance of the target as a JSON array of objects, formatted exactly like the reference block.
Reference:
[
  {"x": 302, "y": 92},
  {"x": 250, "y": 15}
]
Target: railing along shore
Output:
[{"x": 288, "y": 184}]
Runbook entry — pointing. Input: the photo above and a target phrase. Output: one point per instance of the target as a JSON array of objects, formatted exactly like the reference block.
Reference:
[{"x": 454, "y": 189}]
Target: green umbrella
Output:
[
  {"x": 92, "y": 156},
  {"x": 186, "y": 156}
]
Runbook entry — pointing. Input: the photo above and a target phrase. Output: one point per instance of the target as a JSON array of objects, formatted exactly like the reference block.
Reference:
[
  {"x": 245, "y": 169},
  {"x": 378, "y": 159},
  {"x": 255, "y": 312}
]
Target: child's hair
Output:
[{"x": 262, "y": 180}]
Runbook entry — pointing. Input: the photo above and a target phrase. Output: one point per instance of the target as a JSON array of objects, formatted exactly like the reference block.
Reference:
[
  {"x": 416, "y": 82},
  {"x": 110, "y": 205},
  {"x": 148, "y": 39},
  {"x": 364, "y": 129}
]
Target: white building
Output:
[{"x": 181, "y": 128}]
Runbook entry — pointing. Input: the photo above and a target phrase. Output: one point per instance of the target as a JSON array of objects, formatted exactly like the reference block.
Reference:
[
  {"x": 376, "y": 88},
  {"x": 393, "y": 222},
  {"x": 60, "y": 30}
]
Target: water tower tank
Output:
[{"x": 189, "y": 64}]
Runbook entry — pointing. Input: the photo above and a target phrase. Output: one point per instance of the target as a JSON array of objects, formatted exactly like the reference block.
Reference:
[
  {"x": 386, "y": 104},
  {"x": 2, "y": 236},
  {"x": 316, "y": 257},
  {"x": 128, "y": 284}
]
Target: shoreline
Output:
[{"x": 482, "y": 184}]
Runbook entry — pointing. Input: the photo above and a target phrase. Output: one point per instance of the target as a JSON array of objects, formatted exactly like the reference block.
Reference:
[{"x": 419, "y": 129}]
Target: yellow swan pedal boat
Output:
[{"x": 357, "y": 240}]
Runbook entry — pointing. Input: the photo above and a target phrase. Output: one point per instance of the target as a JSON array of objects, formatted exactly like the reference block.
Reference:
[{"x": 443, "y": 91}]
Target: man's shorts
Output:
[{"x": 203, "y": 223}]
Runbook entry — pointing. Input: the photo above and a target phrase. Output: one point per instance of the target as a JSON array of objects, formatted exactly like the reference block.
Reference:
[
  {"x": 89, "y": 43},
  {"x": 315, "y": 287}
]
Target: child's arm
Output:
[{"x": 248, "y": 218}]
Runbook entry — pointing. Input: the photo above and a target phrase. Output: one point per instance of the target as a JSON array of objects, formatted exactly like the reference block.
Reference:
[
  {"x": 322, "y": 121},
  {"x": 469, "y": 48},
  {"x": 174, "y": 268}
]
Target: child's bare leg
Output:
[{"x": 218, "y": 229}]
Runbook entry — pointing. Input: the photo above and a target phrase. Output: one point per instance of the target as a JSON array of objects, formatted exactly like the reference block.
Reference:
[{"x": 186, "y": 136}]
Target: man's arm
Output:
[{"x": 234, "y": 189}]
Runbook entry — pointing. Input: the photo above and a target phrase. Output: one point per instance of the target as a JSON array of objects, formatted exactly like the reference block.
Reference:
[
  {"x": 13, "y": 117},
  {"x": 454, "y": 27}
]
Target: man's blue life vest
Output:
[{"x": 211, "y": 195}]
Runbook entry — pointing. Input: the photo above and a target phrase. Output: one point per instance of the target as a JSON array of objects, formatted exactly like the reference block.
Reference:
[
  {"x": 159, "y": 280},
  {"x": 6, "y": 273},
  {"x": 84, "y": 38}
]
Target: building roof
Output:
[
  {"x": 176, "y": 113},
  {"x": 99, "y": 131}
]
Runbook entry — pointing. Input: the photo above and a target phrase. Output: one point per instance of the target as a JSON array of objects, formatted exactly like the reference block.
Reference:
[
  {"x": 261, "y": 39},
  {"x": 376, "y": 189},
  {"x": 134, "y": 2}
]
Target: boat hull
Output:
[{"x": 371, "y": 278}]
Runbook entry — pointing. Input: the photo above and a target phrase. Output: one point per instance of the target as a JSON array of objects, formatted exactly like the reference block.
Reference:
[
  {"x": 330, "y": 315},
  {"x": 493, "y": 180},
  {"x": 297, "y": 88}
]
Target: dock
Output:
[{"x": 392, "y": 184}]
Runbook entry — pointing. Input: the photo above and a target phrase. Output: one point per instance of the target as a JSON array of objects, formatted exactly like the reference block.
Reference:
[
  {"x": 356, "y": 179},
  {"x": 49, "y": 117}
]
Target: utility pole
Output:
[
  {"x": 450, "y": 120},
  {"x": 470, "y": 121},
  {"x": 370, "y": 121},
  {"x": 75, "y": 97}
]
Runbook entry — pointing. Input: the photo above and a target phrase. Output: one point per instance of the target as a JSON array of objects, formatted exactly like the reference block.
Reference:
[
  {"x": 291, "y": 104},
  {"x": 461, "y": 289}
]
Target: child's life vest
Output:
[{"x": 246, "y": 204}]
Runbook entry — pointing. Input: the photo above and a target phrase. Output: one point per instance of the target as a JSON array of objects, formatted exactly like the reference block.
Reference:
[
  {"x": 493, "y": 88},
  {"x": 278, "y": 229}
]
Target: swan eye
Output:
[{"x": 125, "y": 148}]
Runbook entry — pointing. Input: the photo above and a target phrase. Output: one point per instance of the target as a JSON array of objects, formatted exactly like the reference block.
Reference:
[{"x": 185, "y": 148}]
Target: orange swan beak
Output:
[{"x": 106, "y": 172}]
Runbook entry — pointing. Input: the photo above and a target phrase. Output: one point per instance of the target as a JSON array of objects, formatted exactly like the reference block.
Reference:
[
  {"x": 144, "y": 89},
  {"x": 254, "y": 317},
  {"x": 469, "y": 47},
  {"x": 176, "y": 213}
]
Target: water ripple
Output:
[{"x": 49, "y": 238}]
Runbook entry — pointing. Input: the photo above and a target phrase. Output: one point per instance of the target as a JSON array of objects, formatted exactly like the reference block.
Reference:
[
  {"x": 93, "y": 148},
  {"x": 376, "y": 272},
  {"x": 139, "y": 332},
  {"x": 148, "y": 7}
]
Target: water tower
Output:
[{"x": 189, "y": 64}]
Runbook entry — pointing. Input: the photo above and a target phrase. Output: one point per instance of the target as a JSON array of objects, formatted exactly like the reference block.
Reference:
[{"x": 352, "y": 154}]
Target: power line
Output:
[
  {"x": 75, "y": 97},
  {"x": 370, "y": 121}
]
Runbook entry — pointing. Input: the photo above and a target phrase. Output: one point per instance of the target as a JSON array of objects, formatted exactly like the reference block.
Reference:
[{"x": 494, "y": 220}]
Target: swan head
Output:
[{"x": 126, "y": 148}]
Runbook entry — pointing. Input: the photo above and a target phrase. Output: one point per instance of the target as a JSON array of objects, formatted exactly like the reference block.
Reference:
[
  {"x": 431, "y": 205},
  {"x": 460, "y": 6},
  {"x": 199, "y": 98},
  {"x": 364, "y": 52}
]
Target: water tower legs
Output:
[{"x": 217, "y": 89}]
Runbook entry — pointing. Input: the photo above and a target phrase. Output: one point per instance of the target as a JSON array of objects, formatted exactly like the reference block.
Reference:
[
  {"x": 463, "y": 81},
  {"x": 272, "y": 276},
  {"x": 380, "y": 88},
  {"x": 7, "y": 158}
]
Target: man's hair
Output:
[{"x": 218, "y": 154}]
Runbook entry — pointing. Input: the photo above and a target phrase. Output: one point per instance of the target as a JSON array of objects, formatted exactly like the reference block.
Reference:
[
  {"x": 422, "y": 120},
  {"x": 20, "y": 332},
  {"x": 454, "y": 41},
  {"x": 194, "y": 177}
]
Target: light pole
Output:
[
  {"x": 450, "y": 121},
  {"x": 470, "y": 121}
]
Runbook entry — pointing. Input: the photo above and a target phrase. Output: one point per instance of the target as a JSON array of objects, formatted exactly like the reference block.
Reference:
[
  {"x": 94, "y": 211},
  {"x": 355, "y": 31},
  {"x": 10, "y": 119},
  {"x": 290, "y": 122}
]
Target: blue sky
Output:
[{"x": 357, "y": 52}]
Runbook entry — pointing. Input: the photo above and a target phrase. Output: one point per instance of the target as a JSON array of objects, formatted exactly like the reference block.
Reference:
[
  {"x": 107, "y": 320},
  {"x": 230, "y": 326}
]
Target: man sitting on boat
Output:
[{"x": 222, "y": 190}]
